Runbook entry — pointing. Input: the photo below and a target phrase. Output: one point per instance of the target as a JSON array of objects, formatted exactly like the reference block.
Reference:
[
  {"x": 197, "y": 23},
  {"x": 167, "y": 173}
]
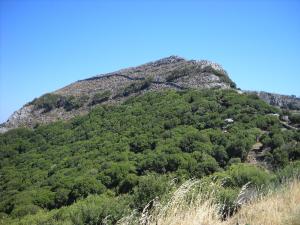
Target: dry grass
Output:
[
  {"x": 187, "y": 208},
  {"x": 278, "y": 208}
]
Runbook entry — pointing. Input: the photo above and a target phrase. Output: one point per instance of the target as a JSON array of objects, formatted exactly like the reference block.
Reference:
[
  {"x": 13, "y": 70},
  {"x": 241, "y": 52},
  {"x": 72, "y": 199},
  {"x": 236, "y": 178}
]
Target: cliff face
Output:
[
  {"x": 79, "y": 97},
  {"x": 290, "y": 102}
]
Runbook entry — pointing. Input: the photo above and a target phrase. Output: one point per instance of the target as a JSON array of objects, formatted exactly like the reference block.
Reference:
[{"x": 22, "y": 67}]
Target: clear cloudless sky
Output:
[{"x": 45, "y": 45}]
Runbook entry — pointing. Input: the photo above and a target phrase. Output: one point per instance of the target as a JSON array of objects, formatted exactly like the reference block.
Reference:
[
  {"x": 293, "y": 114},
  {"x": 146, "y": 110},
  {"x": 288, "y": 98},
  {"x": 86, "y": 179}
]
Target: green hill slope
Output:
[{"x": 100, "y": 166}]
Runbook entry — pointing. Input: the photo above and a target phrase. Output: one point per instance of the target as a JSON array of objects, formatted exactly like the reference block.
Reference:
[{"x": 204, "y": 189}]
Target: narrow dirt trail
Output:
[{"x": 256, "y": 156}]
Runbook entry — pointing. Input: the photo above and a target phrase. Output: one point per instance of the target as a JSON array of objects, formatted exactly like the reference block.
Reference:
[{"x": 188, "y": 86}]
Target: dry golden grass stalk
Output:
[
  {"x": 189, "y": 206},
  {"x": 278, "y": 208}
]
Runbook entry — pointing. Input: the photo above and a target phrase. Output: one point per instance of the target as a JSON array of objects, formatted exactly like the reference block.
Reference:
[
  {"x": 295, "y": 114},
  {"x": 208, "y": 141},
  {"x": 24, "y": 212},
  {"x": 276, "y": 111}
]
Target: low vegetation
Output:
[
  {"x": 222, "y": 75},
  {"x": 182, "y": 72},
  {"x": 51, "y": 101},
  {"x": 100, "y": 97},
  {"x": 295, "y": 118},
  {"x": 135, "y": 87},
  {"x": 97, "y": 168},
  {"x": 47, "y": 102},
  {"x": 194, "y": 202}
]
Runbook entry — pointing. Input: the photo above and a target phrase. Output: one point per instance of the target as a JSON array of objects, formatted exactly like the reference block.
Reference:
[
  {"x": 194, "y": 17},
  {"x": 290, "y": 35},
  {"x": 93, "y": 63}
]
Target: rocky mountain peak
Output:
[{"x": 80, "y": 97}]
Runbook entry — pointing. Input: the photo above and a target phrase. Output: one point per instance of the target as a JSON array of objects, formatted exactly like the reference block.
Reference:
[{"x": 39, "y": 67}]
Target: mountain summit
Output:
[
  {"x": 79, "y": 97},
  {"x": 173, "y": 72}
]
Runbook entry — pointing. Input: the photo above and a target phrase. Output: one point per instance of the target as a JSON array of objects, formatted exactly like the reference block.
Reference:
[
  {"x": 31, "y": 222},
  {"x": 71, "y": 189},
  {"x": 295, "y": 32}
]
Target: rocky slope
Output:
[
  {"x": 168, "y": 73},
  {"x": 78, "y": 98},
  {"x": 290, "y": 102}
]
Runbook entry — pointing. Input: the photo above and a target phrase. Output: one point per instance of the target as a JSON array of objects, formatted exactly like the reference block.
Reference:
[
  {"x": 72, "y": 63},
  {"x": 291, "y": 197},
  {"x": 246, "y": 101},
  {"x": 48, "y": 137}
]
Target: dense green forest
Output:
[{"x": 101, "y": 166}]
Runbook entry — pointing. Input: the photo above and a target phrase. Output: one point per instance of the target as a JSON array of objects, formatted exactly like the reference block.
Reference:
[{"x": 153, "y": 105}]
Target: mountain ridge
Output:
[{"x": 172, "y": 72}]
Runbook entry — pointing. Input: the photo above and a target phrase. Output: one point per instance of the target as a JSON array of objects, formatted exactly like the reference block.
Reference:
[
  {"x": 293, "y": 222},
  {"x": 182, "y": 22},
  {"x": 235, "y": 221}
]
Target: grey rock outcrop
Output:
[
  {"x": 168, "y": 73},
  {"x": 290, "y": 102}
]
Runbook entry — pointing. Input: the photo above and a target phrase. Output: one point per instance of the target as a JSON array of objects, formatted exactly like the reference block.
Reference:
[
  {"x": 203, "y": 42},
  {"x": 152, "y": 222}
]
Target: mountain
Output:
[
  {"x": 125, "y": 140},
  {"x": 79, "y": 97},
  {"x": 172, "y": 72}
]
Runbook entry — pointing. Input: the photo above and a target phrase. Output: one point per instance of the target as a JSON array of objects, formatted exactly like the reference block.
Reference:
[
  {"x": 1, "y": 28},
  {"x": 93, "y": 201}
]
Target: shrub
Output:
[
  {"x": 100, "y": 97},
  {"x": 280, "y": 157},
  {"x": 207, "y": 165},
  {"x": 47, "y": 102},
  {"x": 24, "y": 210},
  {"x": 85, "y": 186},
  {"x": 51, "y": 101},
  {"x": 234, "y": 161},
  {"x": 243, "y": 173},
  {"x": 61, "y": 197},
  {"x": 149, "y": 187},
  {"x": 227, "y": 197},
  {"x": 95, "y": 210},
  {"x": 128, "y": 183},
  {"x": 295, "y": 118},
  {"x": 136, "y": 87},
  {"x": 221, "y": 74},
  {"x": 175, "y": 74},
  {"x": 291, "y": 171},
  {"x": 71, "y": 102}
]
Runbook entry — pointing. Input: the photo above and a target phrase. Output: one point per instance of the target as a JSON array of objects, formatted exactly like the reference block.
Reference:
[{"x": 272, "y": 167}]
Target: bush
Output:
[
  {"x": 291, "y": 171},
  {"x": 100, "y": 97},
  {"x": 71, "y": 102},
  {"x": 84, "y": 187},
  {"x": 277, "y": 140},
  {"x": 136, "y": 87},
  {"x": 280, "y": 157},
  {"x": 227, "y": 197},
  {"x": 24, "y": 210},
  {"x": 175, "y": 74},
  {"x": 295, "y": 118},
  {"x": 128, "y": 183},
  {"x": 234, "y": 161},
  {"x": 243, "y": 173},
  {"x": 149, "y": 187},
  {"x": 221, "y": 74},
  {"x": 51, "y": 101},
  {"x": 47, "y": 102},
  {"x": 94, "y": 210},
  {"x": 61, "y": 197}
]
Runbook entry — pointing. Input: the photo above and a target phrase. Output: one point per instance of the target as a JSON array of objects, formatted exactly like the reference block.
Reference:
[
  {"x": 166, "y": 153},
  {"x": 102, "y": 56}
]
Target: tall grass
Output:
[
  {"x": 192, "y": 204},
  {"x": 281, "y": 207}
]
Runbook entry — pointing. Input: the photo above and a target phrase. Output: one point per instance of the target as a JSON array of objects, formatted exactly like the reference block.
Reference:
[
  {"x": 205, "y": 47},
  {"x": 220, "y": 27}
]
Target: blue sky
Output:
[{"x": 45, "y": 45}]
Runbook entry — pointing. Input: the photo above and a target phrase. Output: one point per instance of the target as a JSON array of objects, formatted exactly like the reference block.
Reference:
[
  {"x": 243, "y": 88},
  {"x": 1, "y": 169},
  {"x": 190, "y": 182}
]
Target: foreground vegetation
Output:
[
  {"x": 97, "y": 168},
  {"x": 191, "y": 204}
]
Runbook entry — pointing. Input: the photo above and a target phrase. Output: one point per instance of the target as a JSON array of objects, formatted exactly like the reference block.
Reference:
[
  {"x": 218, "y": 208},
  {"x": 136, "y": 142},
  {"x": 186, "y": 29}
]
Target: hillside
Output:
[
  {"x": 173, "y": 73},
  {"x": 110, "y": 147},
  {"x": 78, "y": 98},
  {"x": 98, "y": 168}
]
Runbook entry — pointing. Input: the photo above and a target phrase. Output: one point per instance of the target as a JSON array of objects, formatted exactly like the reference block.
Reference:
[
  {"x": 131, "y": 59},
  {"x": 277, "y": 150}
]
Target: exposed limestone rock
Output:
[{"x": 20, "y": 117}]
